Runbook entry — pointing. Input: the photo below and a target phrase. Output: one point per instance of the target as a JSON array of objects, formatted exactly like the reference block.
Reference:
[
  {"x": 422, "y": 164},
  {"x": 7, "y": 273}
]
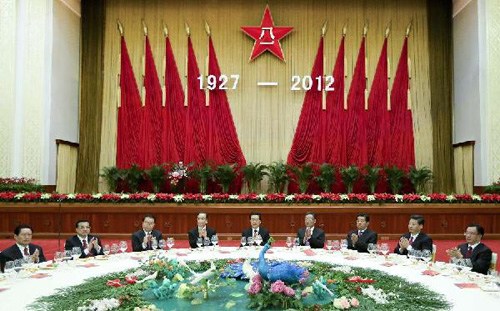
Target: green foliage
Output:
[
  {"x": 224, "y": 176},
  {"x": 253, "y": 174},
  {"x": 303, "y": 175},
  {"x": 494, "y": 188},
  {"x": 372, "y": 176},
  {"x": 113, "y": 175},
  {"x": 349, "y": 176},
  {"x": 394, "y": 178},
  {"x": 156, "y": 174},
  {"x": 278, "y": 176},
  {"x": 326, "y": 177},
  {"x": 203, "y": 173},
  {"x": 20, "y": 185},
  {"x": 419, "y": 178},
  {"x": 134, "y": 176}
]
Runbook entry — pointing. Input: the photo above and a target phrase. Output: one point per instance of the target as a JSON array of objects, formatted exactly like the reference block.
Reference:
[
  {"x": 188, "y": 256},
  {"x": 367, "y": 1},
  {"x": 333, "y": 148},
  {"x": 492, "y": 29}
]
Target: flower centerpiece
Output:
[{"x": 177, "y": 176}]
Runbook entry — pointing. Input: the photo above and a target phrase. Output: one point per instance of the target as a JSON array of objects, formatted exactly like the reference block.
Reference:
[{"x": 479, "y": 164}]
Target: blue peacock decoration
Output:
[{"x": 285, "y": 271}]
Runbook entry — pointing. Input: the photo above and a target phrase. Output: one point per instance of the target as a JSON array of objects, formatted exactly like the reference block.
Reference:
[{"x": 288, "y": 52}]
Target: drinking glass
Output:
[
  {"x": 67, "y": 255},
  {"x": 9, "y": 268},
  {"x": 76, "y": 252},
  {"x": 426, "y": 255},
  {"x": 343, "y": 244},
  {"x": 384, "y": 248},
  {"x": 170, "y": 242},
  {"x": 162, "y": 244},
  {"x": 58, "y": 257},
  {"x": 336, "y": 245},
  {"x": 243, "y": 241},
  {"x": 372, "y": 248},
  {"x": 289, "y": 242},
  {"x": 206, "y": 241},
  {"x": 18, "y": 265},
  {"x": 329, "y": 245},
  {"x": 199, "y": 242},
  {"x": 123, "y": 246},
  {"x": 250, "y": 241},
  {"x": 297, "y": 242},
  {"x": 114, "y": 248},
  {"x": 258, "y": 239},
  {"x": 106, "y": 249},
  {"x": 154, "y": 243}
]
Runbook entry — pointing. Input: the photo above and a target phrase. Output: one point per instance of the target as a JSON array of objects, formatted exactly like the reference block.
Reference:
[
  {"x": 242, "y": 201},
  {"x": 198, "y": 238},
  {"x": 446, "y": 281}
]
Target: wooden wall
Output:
[
  {"x": 442, "y": 221},
  {"x": 266, "y": 118}
]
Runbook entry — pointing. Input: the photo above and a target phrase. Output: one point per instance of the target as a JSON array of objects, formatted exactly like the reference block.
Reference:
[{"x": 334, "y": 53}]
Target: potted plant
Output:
[
  {"x": 419, "y": 177},
  {"x": 394, "y": 178},
  {"x": 253, "y": 173},
  {"x": 349, "y": 176},
  {"x": 156, "y": 175},
  {"x": 326, "y": 177},
  {"x": 134, "y": 177},
  {"x": 203, "y": 173},
  {"x": 278, "y": 176},
  {"x": 303, "y": 175},
  {"x": 372, "y": 175},
  {"x": 224, "y": 176},
  {"x": 112, "y": 175}
]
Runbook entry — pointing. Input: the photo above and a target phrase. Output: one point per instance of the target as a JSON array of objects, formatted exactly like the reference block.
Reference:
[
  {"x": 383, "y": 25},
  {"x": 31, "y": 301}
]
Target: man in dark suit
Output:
[
  {"x": 23, "y": 249},
  {"x": 360, "y": 238},
  {"x": 143, "y": 240},
  {"x": 415, "y": 238},
  {"x": 478, "y": 253},
  {"x": 89, "y": 244},
  {"x": 311, "y": 235},
  {"x": 201, "y": 231},
  {"x": 255, "y": 229}
]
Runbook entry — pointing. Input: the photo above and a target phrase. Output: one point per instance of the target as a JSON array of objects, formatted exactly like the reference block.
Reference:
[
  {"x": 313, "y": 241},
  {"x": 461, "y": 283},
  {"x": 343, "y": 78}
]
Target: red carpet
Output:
[{"x": 50, "y": 246}]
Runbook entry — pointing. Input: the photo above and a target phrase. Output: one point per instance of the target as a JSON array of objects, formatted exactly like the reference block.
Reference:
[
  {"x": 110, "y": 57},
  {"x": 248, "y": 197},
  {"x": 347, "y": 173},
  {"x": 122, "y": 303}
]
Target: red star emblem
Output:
[{"x": 267, "y": 36}]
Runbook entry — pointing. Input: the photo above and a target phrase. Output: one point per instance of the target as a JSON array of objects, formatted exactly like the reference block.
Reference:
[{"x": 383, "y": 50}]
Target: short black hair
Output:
[
  {"x": 18, "y": 229},
  {"x": 419, "y": 218},
  {"x": 149, "y": 216},
  {"x": 256, "y": 214},
  {"x": 312, "y": 214},
  {"x": 479, "y": 228},
  {"x": 80, "y": 221},
  {"x": 206, "y": 215},
  {"x": 366, "y": 216}
]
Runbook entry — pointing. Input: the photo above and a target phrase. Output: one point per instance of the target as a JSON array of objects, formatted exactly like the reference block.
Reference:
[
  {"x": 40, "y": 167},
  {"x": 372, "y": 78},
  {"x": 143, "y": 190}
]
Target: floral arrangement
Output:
[
  {"x": 332, "y": 198},
  {"x": 327, "y": 288},
  {"x": 19, "y": 184},
  {"x": 178, "y": 173}
]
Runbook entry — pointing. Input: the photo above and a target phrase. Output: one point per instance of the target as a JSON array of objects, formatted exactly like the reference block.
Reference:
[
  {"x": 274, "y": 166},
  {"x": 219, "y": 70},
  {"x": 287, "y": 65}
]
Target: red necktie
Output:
[
  {"x": 469, "y": 252},
  {"x": 255, "y": 233},
  {"x": 307, "y": 235},
  {"x": 411, "y": 240},
  {"x": 84, "y": 244},
  {"x": 26, "y": 251},
  {"x": 360, "y": 233}
]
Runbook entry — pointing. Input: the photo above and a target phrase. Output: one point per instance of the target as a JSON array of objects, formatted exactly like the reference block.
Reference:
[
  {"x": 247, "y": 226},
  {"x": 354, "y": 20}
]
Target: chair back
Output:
[{"x": 493, "y": 263}]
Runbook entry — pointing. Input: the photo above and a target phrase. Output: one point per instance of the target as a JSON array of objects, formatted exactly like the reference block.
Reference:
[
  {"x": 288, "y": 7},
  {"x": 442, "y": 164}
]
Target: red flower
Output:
[
  {"x": 440, "y": 197},
  {"x": 463, "y": 197},
  {"x": 164, "y": 196},
  {"x": 58, "y": 196},
  {"x": 384, "y": 197},
  {"x": 83, "y": 197},
  {"x": 131, "y": 279},
  {"x": 7, "y": 195},
  {"x": 358, "y": 279},
  {"x": 114, "y": 283},
  {"x": 411, "y": 197}
]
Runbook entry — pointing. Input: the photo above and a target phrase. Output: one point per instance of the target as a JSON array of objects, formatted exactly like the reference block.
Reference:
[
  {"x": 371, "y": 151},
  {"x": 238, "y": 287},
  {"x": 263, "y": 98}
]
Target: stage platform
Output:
[{"x": 118, "y": 220}]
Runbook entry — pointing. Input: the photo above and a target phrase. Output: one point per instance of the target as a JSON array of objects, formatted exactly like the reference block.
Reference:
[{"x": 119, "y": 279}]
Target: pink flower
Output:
[
  {"x": 290, "y": 292},
  {"x": 255, "y": 288},
  {"x": 354, "y": 302},
  {"x": 341, "y": 303},
  {"x": 278, "y": 286},
  {"x": 257, "y": 279}
]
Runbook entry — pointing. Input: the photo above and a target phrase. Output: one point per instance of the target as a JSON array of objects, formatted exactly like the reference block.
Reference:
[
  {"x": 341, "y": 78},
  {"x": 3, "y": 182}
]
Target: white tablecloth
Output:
[{"x": 21, "y": 292}]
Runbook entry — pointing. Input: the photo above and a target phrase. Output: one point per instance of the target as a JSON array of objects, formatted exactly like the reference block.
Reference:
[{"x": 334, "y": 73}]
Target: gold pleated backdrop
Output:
[{"x": 266, "y": 117}]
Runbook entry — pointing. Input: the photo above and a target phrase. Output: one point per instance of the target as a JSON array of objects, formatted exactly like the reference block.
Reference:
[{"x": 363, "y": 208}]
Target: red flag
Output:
[
  {"x": 356, "y": 114},
  {"x": 402, "y": 149},
  {"x": 152, "y": 126},
  {"x": 378, "y": 123},
  {"x": 129, "y": 115}
]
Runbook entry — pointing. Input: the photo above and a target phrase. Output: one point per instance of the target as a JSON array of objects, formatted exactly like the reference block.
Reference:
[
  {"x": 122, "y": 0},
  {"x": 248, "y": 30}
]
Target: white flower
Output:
[
  {"x": 345, "y": 269},
  {"x": 152, "y": 197},
  {"x": 207, "y": 197},
  {"x": 19, "y": 196},
  {"x": 124, "y": 196},
  {"x": 178, "y": 198},
  {"x": 45, "y": 196},
  {"x": 344, "y": 197},
  {"x": 378, "y": 295},
  {"x": 71, "y": 196},
  {"x": 425, "y": 198},
  {"x": 97, "y": 195},
  {"x": 262, "y": 197},
  {"x": 233, "y": 197},
  {"x": 316, "y": 197},
  {"x": 476, "y": 197},
  {"x": 101, "y": 305},
  {"x": 398, "y": 198},
  {"x": 289, "y": 198},
  {"x": 450, "y": 198},
  {"x": 370, "y": 198}
]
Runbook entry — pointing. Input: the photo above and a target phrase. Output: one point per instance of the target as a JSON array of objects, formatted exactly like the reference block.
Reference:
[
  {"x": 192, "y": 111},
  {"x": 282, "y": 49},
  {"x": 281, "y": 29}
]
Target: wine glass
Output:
[
  {"x": 9, "y": 268},
  {"x": 250, "y": 241},
  {"x": 18, "y": 265},
  {"x": 243, "y": 241},
  {"x": 384, "y": 248},
  {"x": 297, "y": 242},
  {"x": 162, "y": 244},
  {"x": 329, "y": 245},
  {"x": 154, "y": 243},
  {"x": 289, "y": 242},
  {"x": 199, "y": 242},
  {"x": 215, "y": 240},
  {"x": 258, "y": 239},
  {"x": 206, "y": 241},
  {"x": 106, "y": 250},
  {"x": 114, "y": 248},
  {"x": 336, "y": 245},
  {"x": 123, "y": 246},
  {"x": 372, "y": 248},
  {"x": 58, "y": 257},
  {"x": 76, "y": 252},
  {"x": 426, "y": 255},
  {"x": 170, "y": 242}
]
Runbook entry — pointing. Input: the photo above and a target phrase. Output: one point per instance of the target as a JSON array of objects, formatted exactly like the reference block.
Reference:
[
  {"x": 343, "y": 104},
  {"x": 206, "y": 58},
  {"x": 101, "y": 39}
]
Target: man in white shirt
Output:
[
  {"x": 256, "y": 229},
  {"x": 90, "y": 245},
  {"x": 148, "y": 237},
  {"x": 311, "y": 235},
  {"x": 23, "y": 249},
  {"x": 415, "y": 238},
  {"x": 201, "y": 232}
]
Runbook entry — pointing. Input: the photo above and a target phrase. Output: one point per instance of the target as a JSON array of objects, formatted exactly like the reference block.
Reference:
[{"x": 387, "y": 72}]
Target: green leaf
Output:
[
  {"x": 230, "y": 304},
  {"x": 236, "y": 295},
  {"x": 197, "y": 301}
]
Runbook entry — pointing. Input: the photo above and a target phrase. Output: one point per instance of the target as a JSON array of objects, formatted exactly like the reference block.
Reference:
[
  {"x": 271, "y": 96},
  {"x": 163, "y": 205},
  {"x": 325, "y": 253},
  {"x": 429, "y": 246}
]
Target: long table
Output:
[{"x": 23, "y": 290}]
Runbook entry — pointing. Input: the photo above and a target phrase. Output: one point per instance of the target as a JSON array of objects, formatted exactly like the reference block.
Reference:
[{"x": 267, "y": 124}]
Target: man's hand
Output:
[
  {"x": 354, "y": 238},
  {"x": 203, "y": 233},
  {"x": 404, "y": 243},
  {"x": 454, "y": 253},
  {"x": 35, "y": 257}
]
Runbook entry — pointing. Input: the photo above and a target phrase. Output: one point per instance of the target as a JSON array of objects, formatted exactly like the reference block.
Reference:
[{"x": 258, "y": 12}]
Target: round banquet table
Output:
[{"x": 17, "y": 292}]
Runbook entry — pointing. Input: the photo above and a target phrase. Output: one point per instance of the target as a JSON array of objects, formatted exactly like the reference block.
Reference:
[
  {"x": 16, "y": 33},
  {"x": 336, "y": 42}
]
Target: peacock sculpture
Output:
[{"x": 285, "y": 271}]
